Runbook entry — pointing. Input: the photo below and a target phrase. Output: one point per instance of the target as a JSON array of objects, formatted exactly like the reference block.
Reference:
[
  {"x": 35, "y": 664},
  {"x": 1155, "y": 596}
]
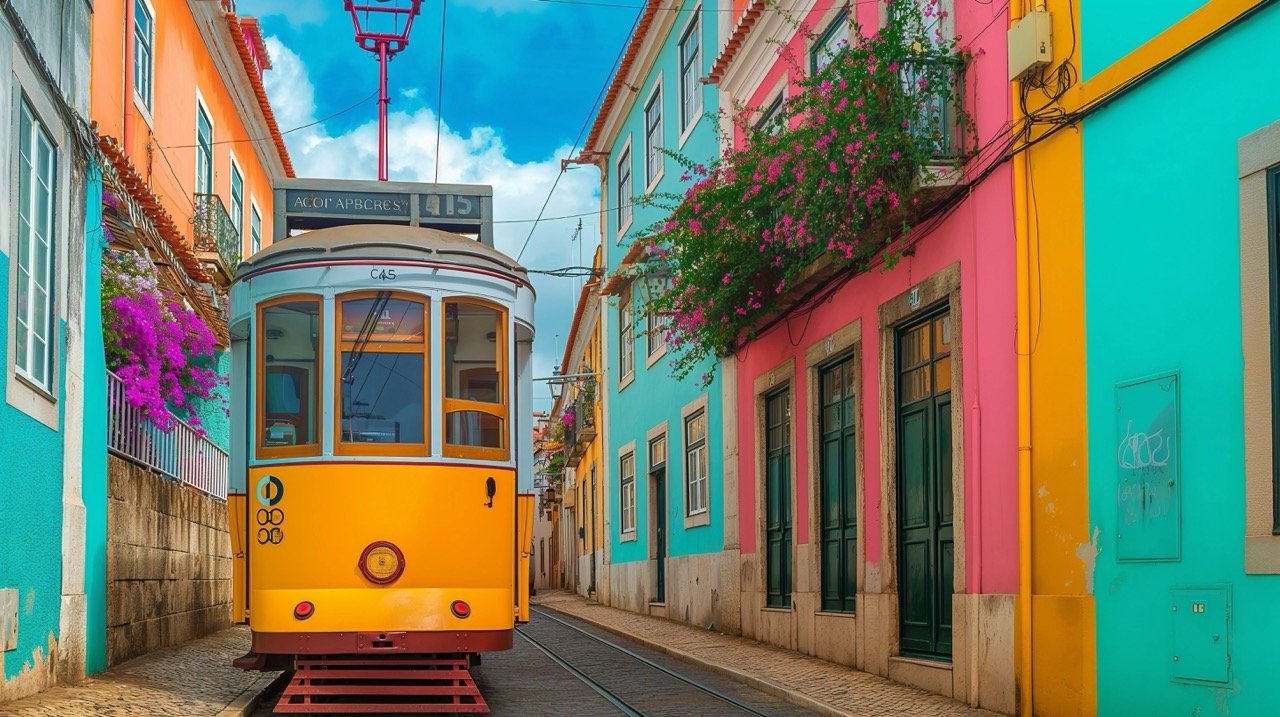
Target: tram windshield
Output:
[
  {"x": 382, "y": 370},
  {"x": 474, "y": 392}
]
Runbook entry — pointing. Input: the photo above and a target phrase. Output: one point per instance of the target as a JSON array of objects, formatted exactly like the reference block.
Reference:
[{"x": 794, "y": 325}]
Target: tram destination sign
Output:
[
  {"x": 371, "y": 204},
  {"x": 450, "y": 206}
]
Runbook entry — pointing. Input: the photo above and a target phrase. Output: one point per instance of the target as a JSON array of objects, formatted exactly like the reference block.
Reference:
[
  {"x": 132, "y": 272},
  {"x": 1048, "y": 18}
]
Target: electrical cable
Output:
[
  {"x": 444, "y": 7},
  {"x": 326, "y": 118}
]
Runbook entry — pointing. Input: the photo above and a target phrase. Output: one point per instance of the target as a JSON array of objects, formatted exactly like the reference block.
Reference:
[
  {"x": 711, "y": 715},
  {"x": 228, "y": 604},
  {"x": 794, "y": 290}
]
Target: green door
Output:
[
  {"x": 777, "y": 489},
  {"x": 837, "y": 469},
  {"x": 926, "y": 547}
]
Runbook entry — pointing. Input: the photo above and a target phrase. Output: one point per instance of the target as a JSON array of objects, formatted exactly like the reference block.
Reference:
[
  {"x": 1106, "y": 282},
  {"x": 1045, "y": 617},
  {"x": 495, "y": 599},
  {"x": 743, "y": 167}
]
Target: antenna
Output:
[{"x": 382, "y": 27}]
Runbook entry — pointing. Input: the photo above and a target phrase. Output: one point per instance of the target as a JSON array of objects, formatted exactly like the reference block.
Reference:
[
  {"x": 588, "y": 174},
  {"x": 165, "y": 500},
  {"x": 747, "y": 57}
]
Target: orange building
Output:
[{"x": 181, "y": 114}]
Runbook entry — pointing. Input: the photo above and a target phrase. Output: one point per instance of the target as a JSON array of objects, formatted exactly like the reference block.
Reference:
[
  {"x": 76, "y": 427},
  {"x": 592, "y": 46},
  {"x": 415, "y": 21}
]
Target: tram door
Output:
[{"x": 926, "y": 545}]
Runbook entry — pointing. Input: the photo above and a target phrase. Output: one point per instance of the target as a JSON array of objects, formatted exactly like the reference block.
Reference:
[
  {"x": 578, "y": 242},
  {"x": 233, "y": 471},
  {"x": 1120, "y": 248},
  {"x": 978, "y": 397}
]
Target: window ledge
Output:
[
  {"x": 697, "y": 520},
  {"x": 1262, "y": 555},
  {"x": 838, "y": 615},
  {"x": 627, "y": 537}
]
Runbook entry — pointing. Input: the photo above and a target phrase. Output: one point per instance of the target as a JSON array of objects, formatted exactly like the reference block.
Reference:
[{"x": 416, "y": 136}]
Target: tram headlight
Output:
[{"x": 460, "y": 609}]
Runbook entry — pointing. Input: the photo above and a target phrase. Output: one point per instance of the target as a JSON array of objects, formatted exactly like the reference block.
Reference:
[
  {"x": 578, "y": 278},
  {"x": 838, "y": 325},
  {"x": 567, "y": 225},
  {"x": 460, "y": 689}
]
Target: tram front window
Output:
[
  {"x": 475, "y": 395},
  {"x": 382, "y": 371},
  {"x": 288, "y": 376}
]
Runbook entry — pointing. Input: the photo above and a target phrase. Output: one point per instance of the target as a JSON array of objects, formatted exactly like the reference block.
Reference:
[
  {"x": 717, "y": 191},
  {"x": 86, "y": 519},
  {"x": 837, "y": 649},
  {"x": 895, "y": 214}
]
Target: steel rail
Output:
[
  {"x": 692, "y": 683},
  {"x": 600, "y": 689}
]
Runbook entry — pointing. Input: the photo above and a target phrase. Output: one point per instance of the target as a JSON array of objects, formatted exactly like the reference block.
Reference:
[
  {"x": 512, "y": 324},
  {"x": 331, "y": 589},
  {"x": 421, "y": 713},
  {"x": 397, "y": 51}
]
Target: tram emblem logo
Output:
[{"x": 270, "y": 491}]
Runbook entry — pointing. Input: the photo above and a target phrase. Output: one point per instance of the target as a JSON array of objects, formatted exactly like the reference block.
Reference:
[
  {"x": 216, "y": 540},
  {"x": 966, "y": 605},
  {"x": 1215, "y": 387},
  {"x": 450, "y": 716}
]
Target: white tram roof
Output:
[{"x": 382, "y": 242}]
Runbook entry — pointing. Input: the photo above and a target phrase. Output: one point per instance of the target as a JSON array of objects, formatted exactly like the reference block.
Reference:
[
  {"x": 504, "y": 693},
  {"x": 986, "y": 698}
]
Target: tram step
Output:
[{"x": 343, "y": 684}]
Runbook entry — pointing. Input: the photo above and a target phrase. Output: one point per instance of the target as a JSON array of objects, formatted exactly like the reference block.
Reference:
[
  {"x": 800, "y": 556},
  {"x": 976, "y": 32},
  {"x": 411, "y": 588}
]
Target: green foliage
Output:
[{"x": 836, "y": 175}]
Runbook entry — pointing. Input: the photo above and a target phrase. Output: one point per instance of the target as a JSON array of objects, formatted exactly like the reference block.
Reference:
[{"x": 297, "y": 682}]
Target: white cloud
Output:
[
  {"x": 474, "y": 156},
  {"x": 410, "y": 93}
]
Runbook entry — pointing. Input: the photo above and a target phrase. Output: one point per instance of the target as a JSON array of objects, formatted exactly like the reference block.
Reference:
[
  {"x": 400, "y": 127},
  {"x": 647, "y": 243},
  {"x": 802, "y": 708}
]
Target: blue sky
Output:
[{"x": 521, "y": 78}]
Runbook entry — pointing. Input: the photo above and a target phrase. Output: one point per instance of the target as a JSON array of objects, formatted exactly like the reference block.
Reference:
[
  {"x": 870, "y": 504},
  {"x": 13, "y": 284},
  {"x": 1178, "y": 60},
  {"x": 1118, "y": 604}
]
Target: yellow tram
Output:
[{"x": 381, "y": 413}]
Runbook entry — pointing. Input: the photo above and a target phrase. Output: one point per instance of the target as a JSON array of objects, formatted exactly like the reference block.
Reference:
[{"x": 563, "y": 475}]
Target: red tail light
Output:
[
  {"x": 460, "y": 609},
  {"x": 304, "y": 610}
]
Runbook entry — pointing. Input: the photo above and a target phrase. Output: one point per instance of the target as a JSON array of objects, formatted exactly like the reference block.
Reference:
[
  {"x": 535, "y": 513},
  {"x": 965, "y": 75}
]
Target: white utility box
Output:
[{"x": 1030, "y": 44}]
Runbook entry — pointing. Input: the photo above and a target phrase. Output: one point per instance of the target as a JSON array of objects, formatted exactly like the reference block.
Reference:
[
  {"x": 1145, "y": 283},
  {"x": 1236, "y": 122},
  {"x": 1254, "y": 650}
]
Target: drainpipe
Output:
[
  {"x": 1021, "y": 169},
  {"x": 127, "y": 81}
]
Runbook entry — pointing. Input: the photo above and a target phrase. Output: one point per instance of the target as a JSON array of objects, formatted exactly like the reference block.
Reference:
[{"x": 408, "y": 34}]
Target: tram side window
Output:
[
  {"x": 382, "y": 371},
  {"x": 475, "y": 392},
  {"x": 289, "y": 388}
]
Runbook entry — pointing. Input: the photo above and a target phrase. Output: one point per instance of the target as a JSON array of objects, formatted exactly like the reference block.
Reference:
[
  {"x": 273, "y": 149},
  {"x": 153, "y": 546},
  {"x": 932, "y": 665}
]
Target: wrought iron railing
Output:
[
  {"x": 214, "y": 230},
  {"x": 584, "y": 416},
  {"x": 181, "y": 454},
  {"x": 937, "y": 116}
]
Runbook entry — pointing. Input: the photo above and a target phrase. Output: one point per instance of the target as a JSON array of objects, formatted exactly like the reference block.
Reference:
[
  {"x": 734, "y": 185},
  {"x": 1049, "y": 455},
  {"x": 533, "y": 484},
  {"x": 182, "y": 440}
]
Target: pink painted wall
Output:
[{"x": 979, "y": 235}]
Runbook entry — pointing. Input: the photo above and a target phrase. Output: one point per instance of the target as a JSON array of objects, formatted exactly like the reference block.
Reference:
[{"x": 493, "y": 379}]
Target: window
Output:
[
  {"x": 829, "y": 44},
  {"x": 255, "y": 229},
  {"x": 37, "y": 169},
  {"x": 237, "y": 198},
  {"x": 690, "y": 71},
  {"x": 696, "y": 466},
  {"x": 204, "y": 150},
  {"x": 475, "y": 380},
  {"x": 289, "y": 336},
  {"x": 624, "y": 189},
  {"x": 382, "y": 374},
  {"x": 769, "y": 122},
  {"x": 143, "y": 58},
  {"x": 655, "y": 331},
  {"x": 627, "y": 470},
  {"x": 653, "y": 137},
  {"x": 935, "y": 117},
  {"x": 777, "y": 488},
  {"x": 837, "y": 471},
  {"x": 626, "y": 337}
]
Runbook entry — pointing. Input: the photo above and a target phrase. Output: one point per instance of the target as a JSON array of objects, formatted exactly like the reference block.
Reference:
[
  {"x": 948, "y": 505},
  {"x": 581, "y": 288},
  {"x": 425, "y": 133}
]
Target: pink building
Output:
[{"x": 871, "y": 454}]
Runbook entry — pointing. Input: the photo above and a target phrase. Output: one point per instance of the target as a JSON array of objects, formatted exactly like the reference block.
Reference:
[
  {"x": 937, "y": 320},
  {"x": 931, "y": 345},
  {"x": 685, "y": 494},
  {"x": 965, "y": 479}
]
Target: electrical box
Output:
[
  {"x": 1030, "y": 44},
  {"x": 8, "y": 619},
  {"x": 1201, "y": 626},
  {"x": 1148, "y": 477}
]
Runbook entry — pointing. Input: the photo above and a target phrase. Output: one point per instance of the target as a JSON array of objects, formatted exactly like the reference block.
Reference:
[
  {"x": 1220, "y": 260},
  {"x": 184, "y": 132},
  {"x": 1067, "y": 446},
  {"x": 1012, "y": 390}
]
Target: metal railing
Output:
[
  {"x": 181, "y": 454},
  {"x": 584, "y": 416},
  {"x": 937, "y": 115},
  {"x": 215, "y": 231}
]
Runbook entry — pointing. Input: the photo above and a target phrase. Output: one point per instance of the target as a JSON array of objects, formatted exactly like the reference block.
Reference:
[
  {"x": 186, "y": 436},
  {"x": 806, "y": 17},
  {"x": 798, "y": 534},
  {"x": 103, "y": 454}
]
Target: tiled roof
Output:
[
  {"x": 246, "y": 57},
  {"x": 755, "y": 9},
  {"x": 622, "y": 279}
]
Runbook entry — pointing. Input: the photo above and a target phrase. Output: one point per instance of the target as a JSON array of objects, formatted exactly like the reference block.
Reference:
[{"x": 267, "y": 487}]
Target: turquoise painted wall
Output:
[
  {"x": 30, "y": 507},
  {"x": 1117, "y": 28},
  {"x": 1162, "y": 281},
  {"x": 213, "y": 410},
  {"x": 94, "y": 456},
  {"x": 654, "y": 396}
]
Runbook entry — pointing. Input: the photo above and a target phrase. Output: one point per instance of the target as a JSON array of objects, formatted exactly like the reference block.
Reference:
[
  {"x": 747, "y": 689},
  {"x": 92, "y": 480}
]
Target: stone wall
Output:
[{"x": 169, "y": 562}]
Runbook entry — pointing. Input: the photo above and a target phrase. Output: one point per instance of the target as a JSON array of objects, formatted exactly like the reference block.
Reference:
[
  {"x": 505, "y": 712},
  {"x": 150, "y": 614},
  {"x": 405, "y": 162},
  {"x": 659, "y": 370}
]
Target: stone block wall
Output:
[{"x": 169, "y": 562}]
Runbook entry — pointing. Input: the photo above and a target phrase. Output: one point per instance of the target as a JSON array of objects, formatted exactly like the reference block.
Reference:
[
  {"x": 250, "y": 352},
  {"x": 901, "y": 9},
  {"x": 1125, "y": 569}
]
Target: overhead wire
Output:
[
  {"x": 585, "y": 123},
  {"x": 444, "y": 6},
  {"x": 326, "y": 118}
]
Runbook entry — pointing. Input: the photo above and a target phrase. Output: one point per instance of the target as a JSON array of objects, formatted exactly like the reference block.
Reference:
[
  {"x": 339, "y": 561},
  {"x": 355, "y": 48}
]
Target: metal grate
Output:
[{"x": 215, "y": 231}]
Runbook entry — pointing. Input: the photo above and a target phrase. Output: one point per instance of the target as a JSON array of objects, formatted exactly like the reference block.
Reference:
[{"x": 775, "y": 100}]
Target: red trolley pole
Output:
[{"x": 382, "y": 26}]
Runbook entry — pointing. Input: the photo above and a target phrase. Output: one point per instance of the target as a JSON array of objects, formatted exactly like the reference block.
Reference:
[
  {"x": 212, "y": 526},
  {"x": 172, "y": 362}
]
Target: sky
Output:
[{"x": 521, "y": 80}]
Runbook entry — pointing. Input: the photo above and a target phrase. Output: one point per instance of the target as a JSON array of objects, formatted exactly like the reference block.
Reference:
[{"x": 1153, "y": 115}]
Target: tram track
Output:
[{"x": 639, "y": 702}]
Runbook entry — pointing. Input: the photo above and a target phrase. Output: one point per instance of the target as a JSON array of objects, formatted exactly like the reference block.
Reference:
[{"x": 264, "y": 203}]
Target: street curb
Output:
[
  {"x": 249, "y": 700},
  {"x": 795, "y": 697}
]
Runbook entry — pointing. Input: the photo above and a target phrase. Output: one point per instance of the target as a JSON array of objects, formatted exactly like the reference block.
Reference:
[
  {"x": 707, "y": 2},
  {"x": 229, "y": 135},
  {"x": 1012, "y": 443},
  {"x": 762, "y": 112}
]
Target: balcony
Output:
[
  {"x": 182, "y": 454},
  {"x": 937, "y": 117},
  {"x": 584, "y": 416},
  {"x": 216, "y": 240}
]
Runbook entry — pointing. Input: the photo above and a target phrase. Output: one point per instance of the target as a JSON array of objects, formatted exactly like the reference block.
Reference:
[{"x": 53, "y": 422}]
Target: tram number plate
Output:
[
  {"x": 381, "y": 273},
  {"x": 451, "y": 205}
]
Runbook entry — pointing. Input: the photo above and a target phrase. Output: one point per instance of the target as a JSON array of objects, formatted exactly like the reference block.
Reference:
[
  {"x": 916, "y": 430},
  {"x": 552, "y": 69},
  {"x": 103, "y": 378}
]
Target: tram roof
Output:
[{"x": 381, "y": 242}]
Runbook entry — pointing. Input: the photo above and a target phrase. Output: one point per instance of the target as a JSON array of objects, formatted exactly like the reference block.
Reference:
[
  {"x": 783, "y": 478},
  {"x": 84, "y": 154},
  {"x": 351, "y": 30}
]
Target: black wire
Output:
[
  {"x": 440, "y": 85},
  {"x": 288, "y": 131},
  {"x": 585, "y": 123}
]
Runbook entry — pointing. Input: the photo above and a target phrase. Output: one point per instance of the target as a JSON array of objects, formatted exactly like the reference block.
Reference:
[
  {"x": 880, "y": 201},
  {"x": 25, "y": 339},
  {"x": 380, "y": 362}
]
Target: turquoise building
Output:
[
  {"x": 1181, "y": 189},
  {"x": 663, "y": 472},
  {"x": 49, "y": 597}
]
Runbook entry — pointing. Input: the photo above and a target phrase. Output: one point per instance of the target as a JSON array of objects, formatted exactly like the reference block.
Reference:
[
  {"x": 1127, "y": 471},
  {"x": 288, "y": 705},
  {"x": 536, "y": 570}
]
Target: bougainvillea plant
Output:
[
  {"x": 837, "y": 172},
  {"x": 159, "y": 348}
]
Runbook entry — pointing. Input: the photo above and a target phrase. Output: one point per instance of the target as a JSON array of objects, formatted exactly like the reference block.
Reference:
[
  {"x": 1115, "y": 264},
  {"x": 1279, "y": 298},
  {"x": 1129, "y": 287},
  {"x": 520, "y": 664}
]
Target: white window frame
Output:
[
  {"x": 201, "y": 186},
  {"x": 655, "y": 332},
  {"x": 696, "y": 464},
  {"x": 255, "y": 226},
  {"x": 626, "y": 339},
  {"x": 690, "y": 75},
  {"x": 624, "y": 193},
  {"x": 829, "y": 38},
  {"x": 144, "y": 75},
  {"x": 654, "y": 163},
  {"x": 25, "y": 366},
  {"x": 627, "y": 494},
  {"x": 236, "y": 209}
]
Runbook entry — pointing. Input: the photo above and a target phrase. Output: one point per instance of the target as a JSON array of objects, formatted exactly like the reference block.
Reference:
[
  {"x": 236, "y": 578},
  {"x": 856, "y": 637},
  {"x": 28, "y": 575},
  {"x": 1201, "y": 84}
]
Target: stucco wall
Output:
[
  {"x": 1162, "y": 291},
  {"x": 169, "y": 570}
]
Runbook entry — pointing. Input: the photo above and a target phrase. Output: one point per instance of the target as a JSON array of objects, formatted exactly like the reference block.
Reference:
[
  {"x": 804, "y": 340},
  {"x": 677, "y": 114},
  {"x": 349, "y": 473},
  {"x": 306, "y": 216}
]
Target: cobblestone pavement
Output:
[
  {"x": 835, "y": 689},
  {"x": 195, "y": 679}
]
